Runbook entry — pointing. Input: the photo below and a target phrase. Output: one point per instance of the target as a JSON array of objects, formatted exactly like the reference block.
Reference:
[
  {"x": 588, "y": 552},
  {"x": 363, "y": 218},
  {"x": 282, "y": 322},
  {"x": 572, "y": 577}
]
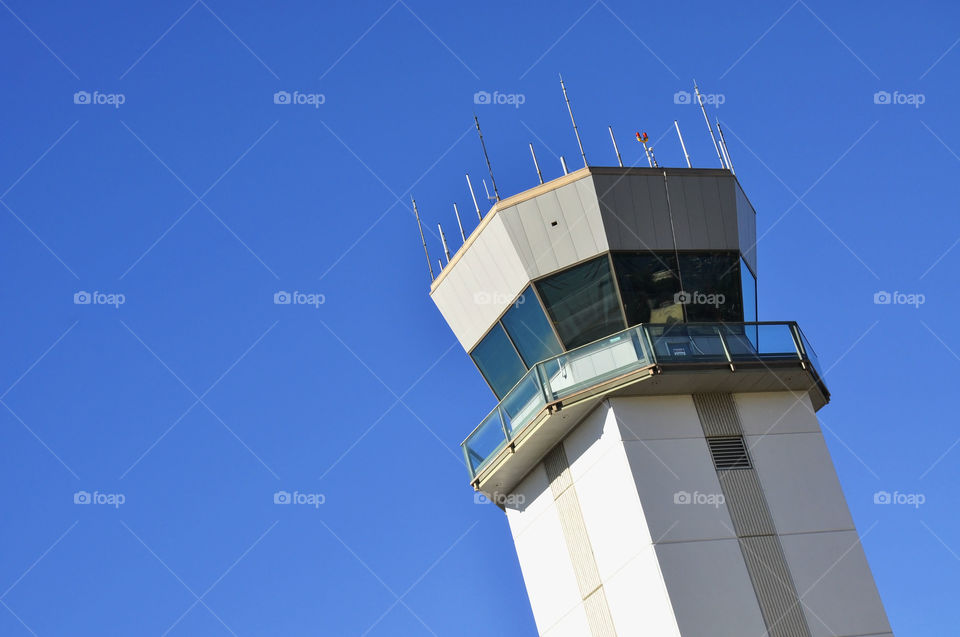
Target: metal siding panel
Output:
[
  {"x": 700, "y": 215},
  {"x": 629, "y": 219},
  {"x": 646, "y": 224},
  {"x": 561, "y": 239},
  {"x": 518, "y": 238},
  {"x": 689, "y": 232},
  {"x": 613, "y": 228},
  {"x": 576, "y": 221},
  {"x": 726, "y": 203},
  {"x": 544, "y": 257},
  {"x": 746, "y": 228},
  {"x": 662, "y": 237},
  {"x": 587, "y": 193}
]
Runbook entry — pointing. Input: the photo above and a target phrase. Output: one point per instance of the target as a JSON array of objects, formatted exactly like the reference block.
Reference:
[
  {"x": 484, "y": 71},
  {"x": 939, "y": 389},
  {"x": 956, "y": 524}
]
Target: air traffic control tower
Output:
[{"x": 655, "y": 448}]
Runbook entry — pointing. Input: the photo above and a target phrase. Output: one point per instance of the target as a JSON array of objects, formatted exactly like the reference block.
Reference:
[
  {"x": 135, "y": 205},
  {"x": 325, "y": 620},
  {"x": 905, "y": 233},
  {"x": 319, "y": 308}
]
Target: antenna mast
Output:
[
  {"x": 617, "y": 150},
  {"x": 726, "y": 151},
  {"x": 474, "y": 197},
  {"x": 563, "y": 162},
  {"x": 539, "y": 174},
  {"x": 456, "y": 211},
  {"x": 487, "y": 157},
  {"x": 424, "y": 241},
  {"x": 443, "y": 240},
  {"x": 703, "y": 109},
  {"x": 573, "y": 121},
  {"x": 682, "y": 145}
]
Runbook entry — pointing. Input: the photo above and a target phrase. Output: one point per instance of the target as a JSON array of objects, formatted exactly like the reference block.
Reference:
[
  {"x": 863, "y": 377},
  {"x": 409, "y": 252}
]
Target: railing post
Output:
[
  {"x": 503, "y": 422},
  {"x": 653, "y": 352},
  {"x": 726, "y": 350},
  {"x": 466, "y": 457},
  {"x": 544, "y": 384},
  {"x": 797, "y": 341}
]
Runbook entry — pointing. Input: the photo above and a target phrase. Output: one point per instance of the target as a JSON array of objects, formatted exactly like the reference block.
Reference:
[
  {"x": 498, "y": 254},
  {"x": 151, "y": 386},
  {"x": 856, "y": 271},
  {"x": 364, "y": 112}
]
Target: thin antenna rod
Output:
[
  {"x": 456, "y": 211},
  {"x": 424, "y": 241},
  {"x": 475, "y": 204},
  {"x": 614, "y": 140},
  {"x": 539, "y": 174},
  {"x": 443, "y": 240},
  {"x": 487, "y": 157},
  {"x": 726, "y": 150},
  {"x": 682, "y": 145},
  {"x": 703, "y": 109},
  {"x": 486, "y": 191},
  {"x": 563, "y": 162},
  {"x": 573, "y": 121}
]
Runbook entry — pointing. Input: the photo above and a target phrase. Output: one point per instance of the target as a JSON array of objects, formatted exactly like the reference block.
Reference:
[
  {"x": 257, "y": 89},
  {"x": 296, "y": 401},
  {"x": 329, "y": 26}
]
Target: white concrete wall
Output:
[
  {"x": 670, "y": 568},
  {"x": 810, "y": 513}
]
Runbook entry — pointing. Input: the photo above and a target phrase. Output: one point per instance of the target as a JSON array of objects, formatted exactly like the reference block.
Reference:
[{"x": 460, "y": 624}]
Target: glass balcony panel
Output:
[
  {"x": 683, "y": 343},
  {"x": 523, "y": 402},
  {"x": 485, "y": 441},
  {"x": 592, "y": 364}
]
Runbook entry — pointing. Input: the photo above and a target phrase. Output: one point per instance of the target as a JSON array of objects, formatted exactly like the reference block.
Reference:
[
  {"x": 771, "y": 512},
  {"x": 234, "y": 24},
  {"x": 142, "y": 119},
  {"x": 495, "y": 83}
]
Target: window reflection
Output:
[
  {"x": 711, "y": 285},
  {"x": 582, "y": 302},
  {"x": 498, "y": 361},
  {"x": 649, "y": 287},
  {"x": 529, "y": 329}
]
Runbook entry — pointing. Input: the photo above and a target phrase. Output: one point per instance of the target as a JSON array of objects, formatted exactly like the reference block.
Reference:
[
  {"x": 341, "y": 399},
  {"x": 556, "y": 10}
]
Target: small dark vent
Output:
[{"x": 729, "y": 453}]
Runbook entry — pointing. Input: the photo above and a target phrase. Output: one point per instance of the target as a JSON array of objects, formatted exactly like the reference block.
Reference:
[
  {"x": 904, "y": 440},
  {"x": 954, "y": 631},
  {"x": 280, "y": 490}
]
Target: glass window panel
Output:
[
  {"x": 649, "y": 286},
  {"x": 711, "y": 286},
  {"x": 529, "y": 329},
  {"x": 582, "y": 302},
  {"x": 498, "y": 361}
]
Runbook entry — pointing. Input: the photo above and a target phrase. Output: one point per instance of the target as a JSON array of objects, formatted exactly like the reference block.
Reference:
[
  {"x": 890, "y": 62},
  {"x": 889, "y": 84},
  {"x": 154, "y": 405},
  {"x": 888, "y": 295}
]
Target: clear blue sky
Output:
[{"x": 199, "y": 198}]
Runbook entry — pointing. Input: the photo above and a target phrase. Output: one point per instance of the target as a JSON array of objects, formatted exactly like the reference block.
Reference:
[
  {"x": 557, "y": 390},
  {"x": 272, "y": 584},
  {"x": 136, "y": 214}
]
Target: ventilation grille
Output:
[{"x": 729, "y": 453}]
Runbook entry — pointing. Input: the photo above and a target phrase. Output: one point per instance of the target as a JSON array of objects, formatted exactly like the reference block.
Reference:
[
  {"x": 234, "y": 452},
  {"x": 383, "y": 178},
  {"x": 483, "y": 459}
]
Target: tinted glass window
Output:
[
  {"x": 498, "y": 361},
  {"x": 529, "y": 329},
  {"x": 711, "y": 285},
  {"x": 582, "y": 302},
  {"x": 649, "y": 287}
]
